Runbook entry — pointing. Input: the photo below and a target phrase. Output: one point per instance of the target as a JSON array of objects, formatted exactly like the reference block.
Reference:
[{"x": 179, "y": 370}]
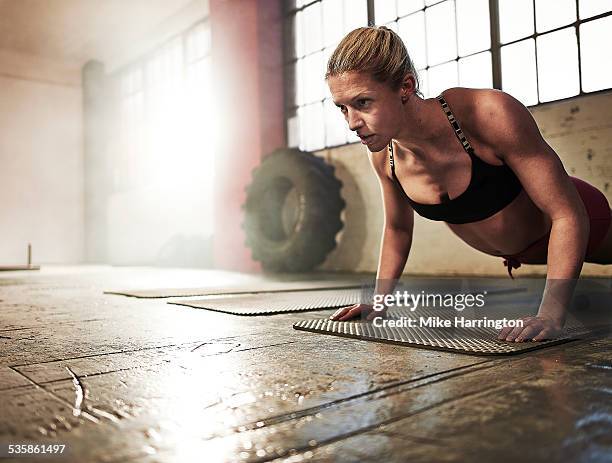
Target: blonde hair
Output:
[{"x": 377, "y": 51}]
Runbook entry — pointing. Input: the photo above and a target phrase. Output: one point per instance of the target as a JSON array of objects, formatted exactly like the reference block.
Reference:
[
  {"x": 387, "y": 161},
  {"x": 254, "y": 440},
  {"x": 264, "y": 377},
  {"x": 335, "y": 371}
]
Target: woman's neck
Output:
[{"x": 421, "y": 124}]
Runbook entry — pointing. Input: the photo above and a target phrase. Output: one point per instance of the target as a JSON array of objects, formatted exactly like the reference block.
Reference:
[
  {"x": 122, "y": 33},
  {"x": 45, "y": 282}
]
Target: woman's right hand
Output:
[{"x": 356, "y": 310}]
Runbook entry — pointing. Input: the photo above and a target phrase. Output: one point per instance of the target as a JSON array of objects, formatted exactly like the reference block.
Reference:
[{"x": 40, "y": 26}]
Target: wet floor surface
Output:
[{"x": 121, "y": 379}]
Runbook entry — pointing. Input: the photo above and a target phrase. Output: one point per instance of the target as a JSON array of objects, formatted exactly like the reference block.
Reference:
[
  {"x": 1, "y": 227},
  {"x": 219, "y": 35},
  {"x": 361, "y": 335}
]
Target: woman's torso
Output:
[{"x": 441, "y": 174}]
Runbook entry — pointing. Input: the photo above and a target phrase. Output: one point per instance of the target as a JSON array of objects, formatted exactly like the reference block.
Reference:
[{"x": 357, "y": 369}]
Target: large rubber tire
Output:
[{"x": 292, "y": 211}]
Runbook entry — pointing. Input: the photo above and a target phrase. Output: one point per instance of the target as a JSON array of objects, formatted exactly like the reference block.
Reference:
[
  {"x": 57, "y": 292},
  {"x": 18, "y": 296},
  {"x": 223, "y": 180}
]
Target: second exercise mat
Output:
[
  {"x": 248, "y": 288},
  {"x": 274, "y": 303},
  {"x": 271, "y": 303}
]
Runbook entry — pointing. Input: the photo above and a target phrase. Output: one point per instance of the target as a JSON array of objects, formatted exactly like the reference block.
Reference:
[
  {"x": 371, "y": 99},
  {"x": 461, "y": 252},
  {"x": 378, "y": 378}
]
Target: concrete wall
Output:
[
  {"x": 41, "y": 168},
  {"x": 579, "y": 130}
]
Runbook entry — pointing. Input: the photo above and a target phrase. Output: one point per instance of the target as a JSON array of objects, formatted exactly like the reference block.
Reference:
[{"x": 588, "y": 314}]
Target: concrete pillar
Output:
[
  {"x": 95, "y": 138},
  {"x": 247, "y": 60}
]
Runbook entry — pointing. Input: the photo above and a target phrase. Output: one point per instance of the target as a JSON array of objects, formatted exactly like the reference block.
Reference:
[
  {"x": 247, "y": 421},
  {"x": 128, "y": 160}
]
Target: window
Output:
[
  {"x": 595, "y": 65},
  {"x": 448, "y": 40},
  {"x": 164, "y": 126},
  {"x": 553, "y": 49},
  {"x": 161, "y": 103},
  {"x": 536, "y": 50},
  {"x": 313, "y": 121}
]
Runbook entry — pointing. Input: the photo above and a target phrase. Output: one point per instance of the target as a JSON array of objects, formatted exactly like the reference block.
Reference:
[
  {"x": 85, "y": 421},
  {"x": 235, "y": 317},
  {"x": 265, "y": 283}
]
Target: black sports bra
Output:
[{"x": 491, "y": 187}]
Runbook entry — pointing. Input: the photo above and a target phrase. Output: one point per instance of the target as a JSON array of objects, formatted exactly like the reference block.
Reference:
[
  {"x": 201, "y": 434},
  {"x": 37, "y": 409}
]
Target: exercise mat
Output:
[
  {"x": 250, "y": 288},
  {"x": 493, "y": 286},
  {"x": 270, "y": 303},
  {"x": 275, "y": 303},
  {"x": 421, "y": 334}
]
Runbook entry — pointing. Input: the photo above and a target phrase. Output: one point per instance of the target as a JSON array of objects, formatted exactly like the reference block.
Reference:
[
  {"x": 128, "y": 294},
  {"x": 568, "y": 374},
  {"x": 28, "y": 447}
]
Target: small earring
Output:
[{"x": 404, "y": 99}]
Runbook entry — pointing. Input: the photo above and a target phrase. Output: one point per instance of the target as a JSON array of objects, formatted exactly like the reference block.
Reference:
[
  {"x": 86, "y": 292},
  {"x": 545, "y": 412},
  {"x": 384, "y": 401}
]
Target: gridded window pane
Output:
[
  {"x": 313, "y": 28},
  {"x": 392, "y": 26},
  {"x": 355, "y": 14},
  {"x": 290, "y": 37},
  {"x": 335, "y": 126},
  {"x": 312, "y": 133},
  {"x": 318, "y": 29},
  {"x": 412, "y": 31},
  {"x": 293, "y": 131},
  {"x": 199, "y": 80},
  {"x": 475, "y": 71},
  {"x": 595, "y": 37},
  {"x": 385, "y": 11},
  {"x": 442, "y": 77},
  {"x": 554, "y": 13},
  {"x": 515, "y": 19},
  {"x": 332, "y": 12},
  {"x": 441, "y": 34},
  {"x": 325, "y": 58},
  {"x": 519, "y": 71},
  {"x": 162, "y": 107},
  {"x": 558, "y": 65},
  {"x": 300, "y": 82},
  {"x": 165, "y": 68},
  {"x": 319, "y": 74},
  {"x": 473, "y": 26},
  {"x": 310, "y": 78},
  {"x": 132, "y": 116},
  {"x": 590, "y": 8},
  {"x": 405, "y": 7},
  {"x": 298, "y": 30}
]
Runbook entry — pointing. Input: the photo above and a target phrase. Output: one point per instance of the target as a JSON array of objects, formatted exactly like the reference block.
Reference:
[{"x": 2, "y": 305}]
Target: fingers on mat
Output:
[
  {"x": 340, "y": 312},
  {"x": 353, "y": 312},
  {"x": 544, "y": 334},
  {"x": 528, "y": 333}
]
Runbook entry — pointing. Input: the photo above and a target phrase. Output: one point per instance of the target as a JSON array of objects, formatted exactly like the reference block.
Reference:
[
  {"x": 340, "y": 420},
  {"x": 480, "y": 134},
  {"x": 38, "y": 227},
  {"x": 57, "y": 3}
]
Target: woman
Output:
[{"x": 473, "y": 158}]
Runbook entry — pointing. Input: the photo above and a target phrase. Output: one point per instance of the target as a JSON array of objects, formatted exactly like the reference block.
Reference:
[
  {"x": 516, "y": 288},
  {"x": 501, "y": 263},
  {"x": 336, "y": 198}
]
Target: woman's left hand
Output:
[{"x": 533, "y": 329}]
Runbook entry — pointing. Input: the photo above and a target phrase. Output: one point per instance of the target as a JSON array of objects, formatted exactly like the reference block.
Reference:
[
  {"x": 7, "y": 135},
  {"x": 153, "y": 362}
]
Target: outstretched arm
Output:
[
  {"x": 509, "y": 126},
  {"x": 396, "y": 239},
  {"x": 397, "y": 230}
]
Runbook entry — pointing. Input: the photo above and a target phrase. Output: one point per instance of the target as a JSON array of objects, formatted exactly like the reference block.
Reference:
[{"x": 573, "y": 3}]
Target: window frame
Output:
[
  {"x": 124, "y": 181},
  {"x": 289, "y": 62}
]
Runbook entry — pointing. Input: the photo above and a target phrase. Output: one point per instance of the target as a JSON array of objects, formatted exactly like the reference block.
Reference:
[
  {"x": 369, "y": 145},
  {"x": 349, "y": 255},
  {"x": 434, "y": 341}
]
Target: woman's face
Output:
[{"x": 371, "y": 109}]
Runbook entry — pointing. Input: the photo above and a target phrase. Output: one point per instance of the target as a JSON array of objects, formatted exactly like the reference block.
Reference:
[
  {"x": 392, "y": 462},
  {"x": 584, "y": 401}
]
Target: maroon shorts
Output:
[{"x": 598, "y": 210}]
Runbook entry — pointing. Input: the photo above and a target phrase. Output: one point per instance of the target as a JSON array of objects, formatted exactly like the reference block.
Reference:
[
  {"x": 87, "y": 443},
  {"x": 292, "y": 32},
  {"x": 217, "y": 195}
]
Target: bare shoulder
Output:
[
  {"x": 494, "y": 116},
  {"x": 505, "y": 121},
  {"x": 480, "y": 104},
  {"x": 488, "y": 104}
]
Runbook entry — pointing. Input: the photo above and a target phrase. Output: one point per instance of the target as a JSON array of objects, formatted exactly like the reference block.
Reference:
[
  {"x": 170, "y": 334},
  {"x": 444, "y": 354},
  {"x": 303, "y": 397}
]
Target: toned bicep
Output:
[{"x": 545, "y": 180}]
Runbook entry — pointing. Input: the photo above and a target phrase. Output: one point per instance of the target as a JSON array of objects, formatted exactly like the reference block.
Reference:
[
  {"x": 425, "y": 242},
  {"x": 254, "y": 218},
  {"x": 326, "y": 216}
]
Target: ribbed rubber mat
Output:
[
  {"x": 275, "y": 303},
  {"x": 261, "y": 287},
  {"x": 475, "y": 341},
  {"x": 270, "y": 303}
]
